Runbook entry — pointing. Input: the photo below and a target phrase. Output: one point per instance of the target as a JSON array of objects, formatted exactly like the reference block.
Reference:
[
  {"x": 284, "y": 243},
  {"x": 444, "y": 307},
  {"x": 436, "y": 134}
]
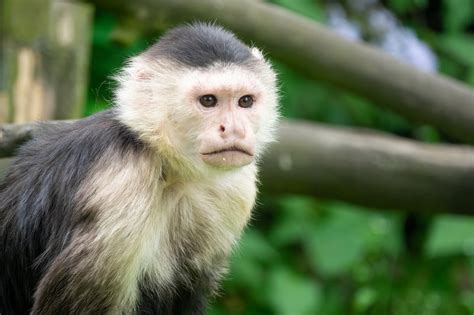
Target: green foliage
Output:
[
  {"x": 458, "y": 14},
  {"x": 405, "y": 6},
  {"x": 107, "y": 57},
  {"x": 292, "y": 293},
  {"x": 310, "y": 100},
  {"x": 451, "y": 235},
  {"x": 307, "y": 256},
  {"x": 358, "y": 234},
  {"x": 460, "y": 48}
]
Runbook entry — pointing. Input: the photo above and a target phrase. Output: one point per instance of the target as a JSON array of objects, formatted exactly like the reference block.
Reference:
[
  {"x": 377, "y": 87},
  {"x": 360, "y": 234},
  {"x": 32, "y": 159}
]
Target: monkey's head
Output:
[{"x": 201, "y": 97}]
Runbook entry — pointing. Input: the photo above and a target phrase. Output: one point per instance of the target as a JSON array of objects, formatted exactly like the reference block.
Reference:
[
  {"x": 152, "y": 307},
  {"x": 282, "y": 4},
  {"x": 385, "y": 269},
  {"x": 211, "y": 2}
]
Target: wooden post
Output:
[
  {"x": 44, "y": 57},
  {"x": 71, "y": 30},
  {"x": 23, "y": 89}
]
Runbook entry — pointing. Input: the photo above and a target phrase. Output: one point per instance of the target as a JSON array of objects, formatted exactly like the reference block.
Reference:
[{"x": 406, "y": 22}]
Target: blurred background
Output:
[{"x": 300, "y": 254}]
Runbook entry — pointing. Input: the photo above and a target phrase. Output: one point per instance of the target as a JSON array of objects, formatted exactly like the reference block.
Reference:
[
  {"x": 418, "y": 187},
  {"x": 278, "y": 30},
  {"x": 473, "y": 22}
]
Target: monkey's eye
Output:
[
  {"x": 246, "y": 101},
  {"x": 208, "y": 100}
]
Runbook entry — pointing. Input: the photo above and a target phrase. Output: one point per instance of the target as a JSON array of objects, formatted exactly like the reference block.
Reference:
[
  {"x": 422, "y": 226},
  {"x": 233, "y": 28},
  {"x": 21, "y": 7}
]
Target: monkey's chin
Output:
[{"x": 227, "y": 159}]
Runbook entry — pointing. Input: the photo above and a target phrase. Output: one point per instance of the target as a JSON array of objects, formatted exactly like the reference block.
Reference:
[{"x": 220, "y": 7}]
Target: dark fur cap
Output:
[{"x": 200, "y": 45}]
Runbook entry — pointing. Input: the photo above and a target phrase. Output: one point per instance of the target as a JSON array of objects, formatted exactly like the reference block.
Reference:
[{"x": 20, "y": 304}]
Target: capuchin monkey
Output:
[{"x": 136, "y": 210}]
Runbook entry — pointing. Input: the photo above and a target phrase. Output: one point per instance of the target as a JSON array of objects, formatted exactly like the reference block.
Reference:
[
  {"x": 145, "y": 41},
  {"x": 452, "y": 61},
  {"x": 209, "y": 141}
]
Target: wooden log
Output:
[
  {"x": 354, "y": 165},
  {"x": 370, "y": 169}
]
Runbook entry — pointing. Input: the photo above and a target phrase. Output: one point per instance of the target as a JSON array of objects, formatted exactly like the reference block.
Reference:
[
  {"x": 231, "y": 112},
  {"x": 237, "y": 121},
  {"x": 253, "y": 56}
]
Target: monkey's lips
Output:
[{"x": 233, "y": 156}]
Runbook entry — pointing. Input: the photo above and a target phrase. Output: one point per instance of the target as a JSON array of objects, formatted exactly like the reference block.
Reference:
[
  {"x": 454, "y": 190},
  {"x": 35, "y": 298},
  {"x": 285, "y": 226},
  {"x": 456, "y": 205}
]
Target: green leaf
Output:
[
  {"x": 405, "y": 6},
  {"x": 246, "y": 272},
  {"x": 296, "y": 220},
  {"x": 458, "y": 14},
  {"x": 364, "y": 298},
  {"x": 104, "y": 24},
  {"x": 460, "y": 46},
  {"x": 290, "y": 293},
  {"x": 427, "y": 134},
  {"x": 401, "y": 6},
  {"x": 468, "y": 300},
  {"x": 256, "y": 246},
  {"x": 341, "y": 240},
  {"x": 249, "y": 261},
  {"x": 451, "y": 235},
  {"x": 336, "y": 247}
]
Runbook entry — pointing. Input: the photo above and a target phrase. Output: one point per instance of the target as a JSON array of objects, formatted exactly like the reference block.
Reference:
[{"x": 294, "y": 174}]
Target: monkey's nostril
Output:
[{"x": 222, "y": 128}]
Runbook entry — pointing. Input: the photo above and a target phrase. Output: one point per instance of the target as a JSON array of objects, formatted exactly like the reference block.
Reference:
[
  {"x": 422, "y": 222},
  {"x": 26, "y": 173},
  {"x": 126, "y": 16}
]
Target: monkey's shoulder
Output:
[
  {"x": 72, "y": 147},
  {"x": 48, "y": 171},
  {"x": 86, "y": 137}
]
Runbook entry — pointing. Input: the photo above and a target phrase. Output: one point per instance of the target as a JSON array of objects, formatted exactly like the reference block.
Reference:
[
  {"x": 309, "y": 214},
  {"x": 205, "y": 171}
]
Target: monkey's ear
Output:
[
  {"x": 257, "y": 53},
  {"x": 142, "y": 75}
]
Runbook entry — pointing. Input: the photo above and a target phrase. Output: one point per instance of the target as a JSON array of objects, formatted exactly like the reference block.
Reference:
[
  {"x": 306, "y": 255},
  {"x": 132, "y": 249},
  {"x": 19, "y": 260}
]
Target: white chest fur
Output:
[
  {"x": 154, "y": 229},
  {"x": 200, "y": 222}
]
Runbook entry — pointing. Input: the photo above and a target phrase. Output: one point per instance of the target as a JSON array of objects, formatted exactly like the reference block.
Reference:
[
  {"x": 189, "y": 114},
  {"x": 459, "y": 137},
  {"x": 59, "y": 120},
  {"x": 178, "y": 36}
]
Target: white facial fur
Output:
[{"x": 160, "y": 100}]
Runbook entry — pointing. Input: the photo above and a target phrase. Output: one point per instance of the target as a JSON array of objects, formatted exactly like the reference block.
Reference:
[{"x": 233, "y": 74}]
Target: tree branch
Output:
[
  {"x": 370, "y": 169},
  {"x": 322, "y": 54},
  {"x": 353, "y": 165}
]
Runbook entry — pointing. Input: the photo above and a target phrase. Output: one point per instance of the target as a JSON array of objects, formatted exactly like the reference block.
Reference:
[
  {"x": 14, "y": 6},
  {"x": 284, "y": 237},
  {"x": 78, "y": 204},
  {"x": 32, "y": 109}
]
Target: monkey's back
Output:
[{"x": 38, "y": 204}]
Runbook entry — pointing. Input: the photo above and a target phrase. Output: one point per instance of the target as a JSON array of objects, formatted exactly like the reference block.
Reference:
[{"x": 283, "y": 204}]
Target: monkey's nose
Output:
[
  {"x": 223, "y": 131},
  {"x": 231, "y": 130}
]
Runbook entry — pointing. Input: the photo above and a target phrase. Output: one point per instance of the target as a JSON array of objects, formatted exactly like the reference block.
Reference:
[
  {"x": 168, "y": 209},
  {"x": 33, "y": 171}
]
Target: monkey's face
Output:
[
  {"x": 226, "y": 107},
  {"x": 199, "y": 118}
]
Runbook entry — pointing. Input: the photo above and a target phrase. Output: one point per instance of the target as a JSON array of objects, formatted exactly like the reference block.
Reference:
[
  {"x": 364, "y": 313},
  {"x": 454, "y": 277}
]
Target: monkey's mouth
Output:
[
  {"x": 230, "y": 157},
  {"x": 230, "y": 149}
]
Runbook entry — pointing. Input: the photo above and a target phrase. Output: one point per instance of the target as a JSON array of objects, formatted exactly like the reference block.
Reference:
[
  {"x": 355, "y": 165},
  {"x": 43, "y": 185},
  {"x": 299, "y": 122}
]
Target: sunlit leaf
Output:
[
  {"x": 458, "y": 14},
  {"x": 451, "y": 235},
  {"x": 364, "y": 298},
  {"x": 290, "y": 293},
  {"x": 342, "y": 240}
]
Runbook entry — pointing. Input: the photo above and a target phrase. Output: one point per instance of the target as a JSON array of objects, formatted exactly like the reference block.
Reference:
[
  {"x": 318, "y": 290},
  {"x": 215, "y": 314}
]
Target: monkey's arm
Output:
[
  {"x": 84, "y": 280},
  {"x": 98, "y": 272},
  {"x": 69, "y": 213},
  {"x": 187, "y": 301}
]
